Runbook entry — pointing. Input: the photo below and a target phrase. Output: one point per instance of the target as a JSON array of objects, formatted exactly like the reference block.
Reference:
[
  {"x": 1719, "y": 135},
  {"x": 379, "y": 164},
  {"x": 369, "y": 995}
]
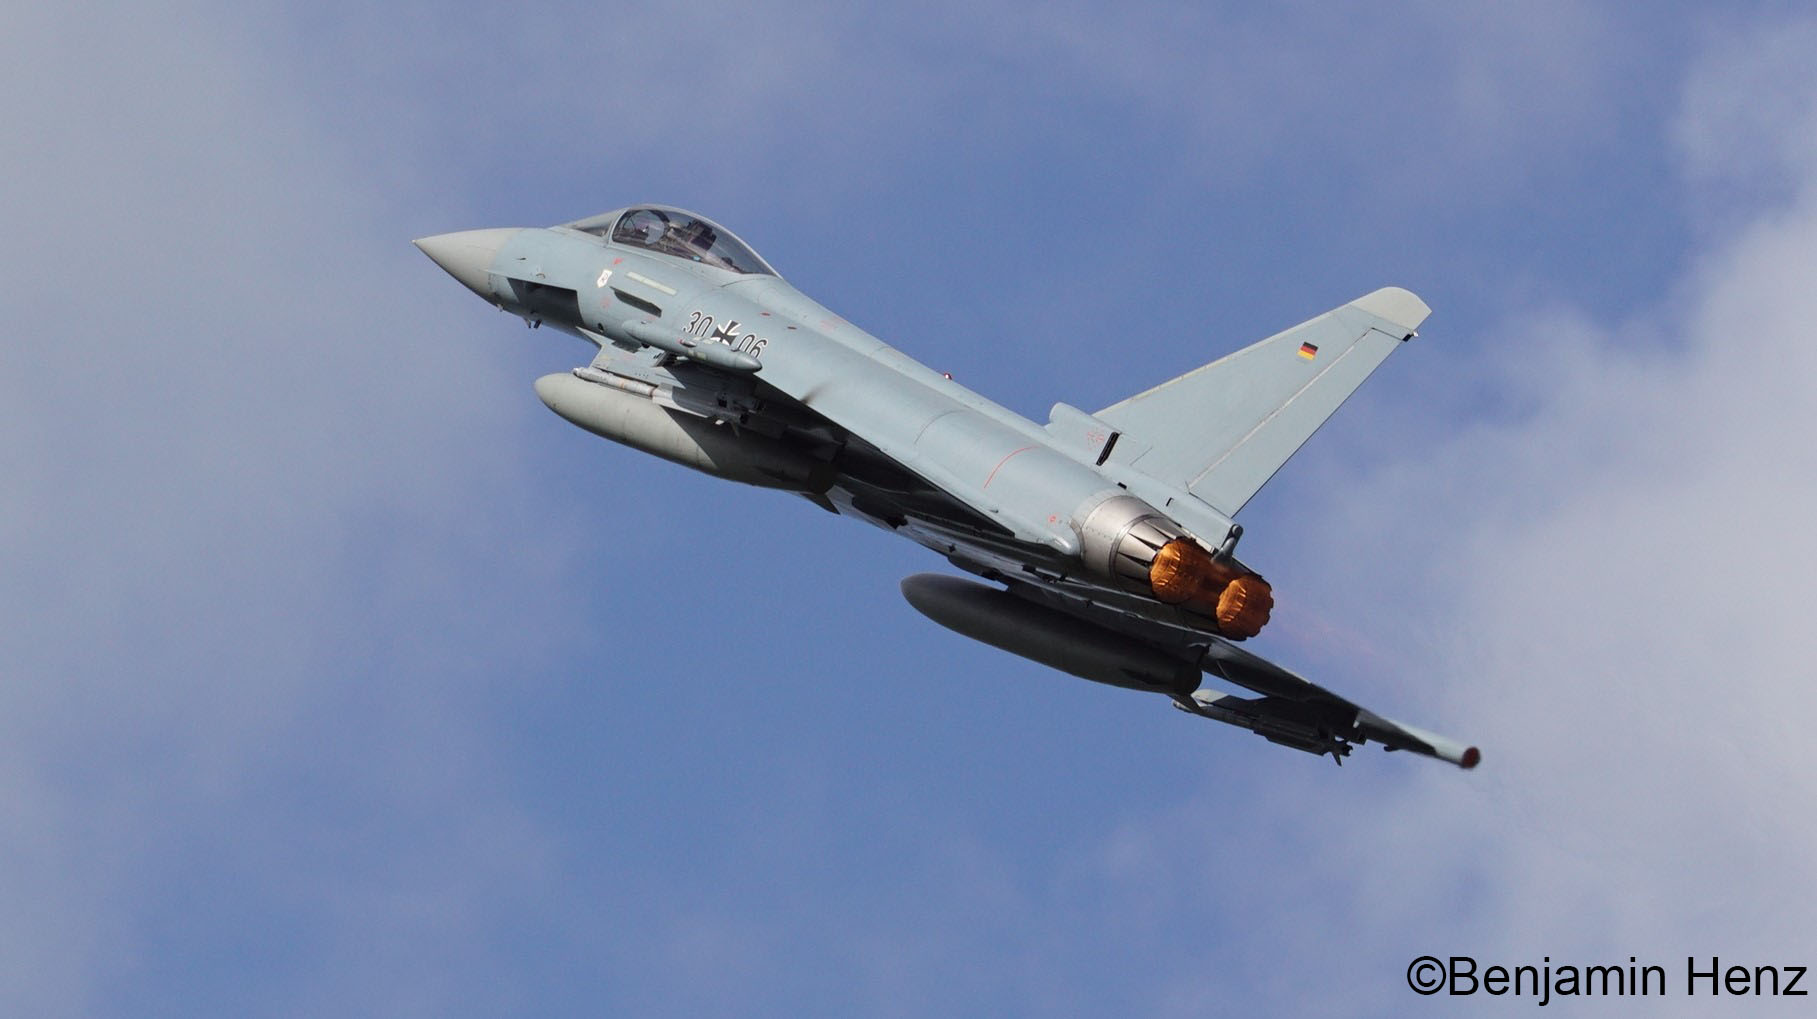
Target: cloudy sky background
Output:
[{"x": 337, "y": 675}]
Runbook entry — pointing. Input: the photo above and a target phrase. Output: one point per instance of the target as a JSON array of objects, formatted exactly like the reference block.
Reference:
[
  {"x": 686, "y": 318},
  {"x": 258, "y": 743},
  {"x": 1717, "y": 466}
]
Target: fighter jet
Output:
[{"x": 1107, "y": 540}]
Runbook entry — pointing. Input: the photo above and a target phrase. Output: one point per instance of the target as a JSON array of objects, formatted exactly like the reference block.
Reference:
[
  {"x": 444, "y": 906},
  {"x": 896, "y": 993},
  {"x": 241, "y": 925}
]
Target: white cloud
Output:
[
  {"x": 263, "y": 563},
  {"x": 1747, "y": 122},
  {"x": 244, "y": 465},
  {"x": 1608, "y": 589},
  {"x": 1423, "y": 92},
  {"x": 790, "y": 103}
]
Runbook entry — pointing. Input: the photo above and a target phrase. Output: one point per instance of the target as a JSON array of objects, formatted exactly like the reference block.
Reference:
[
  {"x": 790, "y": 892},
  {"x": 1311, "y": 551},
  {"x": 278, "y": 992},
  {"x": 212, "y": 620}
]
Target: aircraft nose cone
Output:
[{"x": 467, "y": 254}]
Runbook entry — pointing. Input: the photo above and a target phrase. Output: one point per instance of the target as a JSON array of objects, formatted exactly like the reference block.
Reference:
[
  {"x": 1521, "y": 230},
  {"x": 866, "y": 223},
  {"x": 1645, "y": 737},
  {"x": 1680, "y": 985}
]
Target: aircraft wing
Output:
[
  {"x": 1222, "y": 430},
  {"x": 1289, "y": 709},
  {"x": 1299, "y": 713}
]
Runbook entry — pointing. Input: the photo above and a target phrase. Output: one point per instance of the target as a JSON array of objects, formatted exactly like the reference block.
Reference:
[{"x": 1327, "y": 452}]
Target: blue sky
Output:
[{"x": 337, "y": 675}]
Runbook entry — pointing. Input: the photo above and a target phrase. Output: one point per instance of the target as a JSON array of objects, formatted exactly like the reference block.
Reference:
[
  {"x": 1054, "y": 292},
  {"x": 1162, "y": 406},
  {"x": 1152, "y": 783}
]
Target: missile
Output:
[{"x": 1045, "y": 635}]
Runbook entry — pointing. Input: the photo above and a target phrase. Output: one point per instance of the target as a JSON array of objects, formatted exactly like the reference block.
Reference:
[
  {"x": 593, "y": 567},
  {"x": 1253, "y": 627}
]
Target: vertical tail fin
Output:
[{"x": 1224, "y": 429}]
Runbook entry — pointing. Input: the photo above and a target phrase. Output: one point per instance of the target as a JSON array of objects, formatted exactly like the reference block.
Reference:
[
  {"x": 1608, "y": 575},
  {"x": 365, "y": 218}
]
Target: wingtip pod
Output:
[
  {"x": 1444, "y": 750},
  {"x": 1400, "y": 736},
  {"x": 1399, "y": 306}
]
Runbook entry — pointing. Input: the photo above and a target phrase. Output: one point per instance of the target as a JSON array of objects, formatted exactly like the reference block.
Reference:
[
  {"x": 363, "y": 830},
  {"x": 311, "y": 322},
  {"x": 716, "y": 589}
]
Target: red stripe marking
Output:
[{"x": 1000, "y": 463}]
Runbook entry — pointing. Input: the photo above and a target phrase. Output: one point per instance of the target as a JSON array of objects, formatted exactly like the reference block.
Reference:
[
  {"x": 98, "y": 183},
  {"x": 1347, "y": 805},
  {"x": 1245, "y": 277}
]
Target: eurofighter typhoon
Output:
[{"x": 1108, "y": 539}]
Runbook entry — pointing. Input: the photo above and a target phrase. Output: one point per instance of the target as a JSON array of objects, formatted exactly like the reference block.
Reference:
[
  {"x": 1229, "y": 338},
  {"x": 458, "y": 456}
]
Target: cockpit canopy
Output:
[{"x": 681, "y": 234}]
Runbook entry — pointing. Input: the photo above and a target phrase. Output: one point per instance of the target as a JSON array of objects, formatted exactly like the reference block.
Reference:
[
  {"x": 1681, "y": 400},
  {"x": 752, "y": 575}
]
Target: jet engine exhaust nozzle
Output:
[
  {"x": 1183, "y": 573},
  {"x": 1131, "y": 543}
]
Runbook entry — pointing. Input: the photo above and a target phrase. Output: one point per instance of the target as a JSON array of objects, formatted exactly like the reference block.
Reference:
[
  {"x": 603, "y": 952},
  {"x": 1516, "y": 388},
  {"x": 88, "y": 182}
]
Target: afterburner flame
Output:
[
  {"x": 1183, "y": 573},
  {"x": 1244, "y": 606}
]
